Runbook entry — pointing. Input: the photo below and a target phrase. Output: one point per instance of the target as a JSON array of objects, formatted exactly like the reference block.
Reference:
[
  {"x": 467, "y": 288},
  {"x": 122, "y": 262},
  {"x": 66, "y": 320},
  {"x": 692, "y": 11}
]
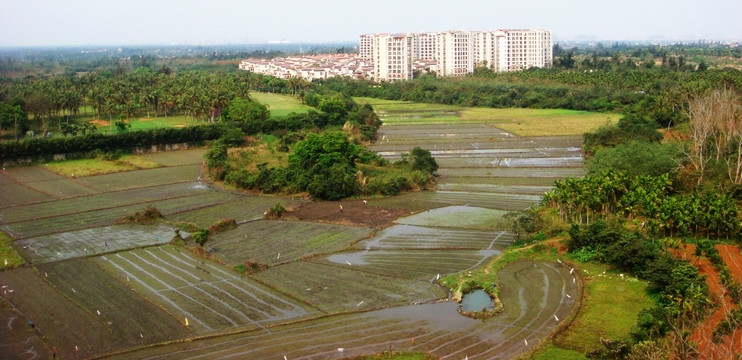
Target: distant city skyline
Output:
[{"x": 155, "y": 22}]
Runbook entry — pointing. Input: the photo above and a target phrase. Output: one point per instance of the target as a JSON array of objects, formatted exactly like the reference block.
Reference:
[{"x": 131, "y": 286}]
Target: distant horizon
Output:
[
  {"x": 578, "y": 39},
  {"x": 39, "y": 23}
]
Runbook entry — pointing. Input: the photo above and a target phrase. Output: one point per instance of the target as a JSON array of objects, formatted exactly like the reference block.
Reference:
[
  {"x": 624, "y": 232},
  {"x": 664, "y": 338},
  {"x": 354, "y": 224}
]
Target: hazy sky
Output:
[{"x": 116, "y": 22}]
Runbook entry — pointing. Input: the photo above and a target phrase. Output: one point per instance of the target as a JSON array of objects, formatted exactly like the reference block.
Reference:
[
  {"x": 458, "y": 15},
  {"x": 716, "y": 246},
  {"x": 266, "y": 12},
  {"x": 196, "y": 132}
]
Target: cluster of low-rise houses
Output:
[{"x": 392, "y": 57}]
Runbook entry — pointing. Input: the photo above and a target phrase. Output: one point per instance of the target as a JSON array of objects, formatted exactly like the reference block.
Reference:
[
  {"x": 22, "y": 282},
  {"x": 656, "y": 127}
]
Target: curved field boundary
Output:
[
  {"x": 421, "y": 237},
  {"x": 274, "y": 242},
  {"x": 411, "y": 264},
  {"x": 210, "y": 296},
  {"x": 535, "y": 297}
]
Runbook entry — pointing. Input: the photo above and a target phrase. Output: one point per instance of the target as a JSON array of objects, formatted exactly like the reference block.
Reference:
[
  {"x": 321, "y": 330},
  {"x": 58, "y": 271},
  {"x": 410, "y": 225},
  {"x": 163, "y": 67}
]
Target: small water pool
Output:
[{"x": 476, "y": 301}]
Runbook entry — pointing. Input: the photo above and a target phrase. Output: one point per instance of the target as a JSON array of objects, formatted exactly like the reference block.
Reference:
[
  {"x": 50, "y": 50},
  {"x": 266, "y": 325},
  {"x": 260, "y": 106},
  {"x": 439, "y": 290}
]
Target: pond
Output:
[{"x": 476, "y": 301}]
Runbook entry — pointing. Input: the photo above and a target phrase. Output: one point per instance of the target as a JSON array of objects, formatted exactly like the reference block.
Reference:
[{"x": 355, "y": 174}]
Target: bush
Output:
[
  {"x": 423, "y": 160},
  {"x": 201, "y": 237},
  {"x": 222, "y": 226},
  {"x": 275, "y": 212}
]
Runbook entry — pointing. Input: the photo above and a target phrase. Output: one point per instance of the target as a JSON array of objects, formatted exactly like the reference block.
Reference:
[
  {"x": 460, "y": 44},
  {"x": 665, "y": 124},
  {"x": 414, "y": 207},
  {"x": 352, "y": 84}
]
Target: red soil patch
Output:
[
  {"x": 703, "y": 333},
  {"x": 179, "y": 125},
  {"x": 100, "y": 122},
  {"x": 670, "y": 135},
  {"x": 145, "y": 119},
  {"x": 354, "y": 212}
]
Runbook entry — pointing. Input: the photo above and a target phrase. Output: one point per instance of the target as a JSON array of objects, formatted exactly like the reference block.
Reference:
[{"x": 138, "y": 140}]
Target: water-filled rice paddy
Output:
[
  {"x": 209, "y": 295},
  {"x": 273, "y": 242},
  {"x": 332, "y": 286}
]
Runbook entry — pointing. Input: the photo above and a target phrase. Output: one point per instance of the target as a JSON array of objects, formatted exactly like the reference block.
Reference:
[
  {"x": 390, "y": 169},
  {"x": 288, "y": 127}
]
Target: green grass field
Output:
[
  {"x": 280, "y": 105},
  {"x": 98, "y": 166},
  {"x": 609, "y": 309},
  {"x": 9, "y": 258},
  {"x": 522, "y": 122}
]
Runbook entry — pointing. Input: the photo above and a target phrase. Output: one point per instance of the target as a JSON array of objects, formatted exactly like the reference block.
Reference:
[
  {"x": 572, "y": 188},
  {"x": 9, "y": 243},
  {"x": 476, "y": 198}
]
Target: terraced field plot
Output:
[
  {"x": 209, "y": 295},
  {"x": 89, "y": 219},
  {"x": 455, "y": 216},
  {"x": 411, "y": 264},
  {"x": 177, "y": 158},
  {"x": 63, "y": 323},
  {"x": 142, "y": 178},
  {"x": 274, "y": 242},
  {"x": 420, "y": 237},
  {"x": 130, "y": 318},
  {"x": 17, "y": 338},
  {"x": 48, "y": 182},
  {"x": 537, "y": 291},
  {"x": 101, "y": 201},
  {"x": 336, "y": 288},
  {"x": 14, "y": 193},
  {"x": 93, "y": 241},
  {"x": 244, "y": 208}
]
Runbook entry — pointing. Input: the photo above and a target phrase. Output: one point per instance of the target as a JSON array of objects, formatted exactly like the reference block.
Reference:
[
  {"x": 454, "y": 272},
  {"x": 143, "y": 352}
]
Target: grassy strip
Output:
[
  {"x": 280, "y": 105},
  {"x": 483, "y": 277},
  {"x": 522, "y": 122},
  {"x": 10, "y": 257},
  {"x": 610, "y": 308},
  {"x": 98, "y": 166}
]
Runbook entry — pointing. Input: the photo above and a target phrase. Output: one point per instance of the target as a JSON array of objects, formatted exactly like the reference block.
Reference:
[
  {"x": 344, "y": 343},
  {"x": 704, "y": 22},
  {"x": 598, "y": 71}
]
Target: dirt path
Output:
[{"x": 703, "y": 333}]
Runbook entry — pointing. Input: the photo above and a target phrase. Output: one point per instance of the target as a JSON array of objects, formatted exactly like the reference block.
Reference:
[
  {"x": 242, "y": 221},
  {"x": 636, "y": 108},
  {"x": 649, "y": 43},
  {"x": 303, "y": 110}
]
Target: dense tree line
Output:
[{"x": 663, "y": 211}]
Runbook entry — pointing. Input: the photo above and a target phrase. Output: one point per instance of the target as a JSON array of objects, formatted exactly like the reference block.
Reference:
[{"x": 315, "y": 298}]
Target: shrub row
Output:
[{"x": 125, "y": 140}]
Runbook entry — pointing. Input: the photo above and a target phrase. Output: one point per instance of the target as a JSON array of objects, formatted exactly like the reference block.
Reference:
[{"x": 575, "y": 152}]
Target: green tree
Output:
[{"x": 423, "y": 160}]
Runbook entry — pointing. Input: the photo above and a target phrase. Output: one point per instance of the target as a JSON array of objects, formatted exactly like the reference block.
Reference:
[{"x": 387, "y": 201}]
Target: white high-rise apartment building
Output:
[
  {"x": 392, "y": 56},
  {"x": 457, "y": 52},
  {"x": 527, "y": 48},
  {"x": 364, "y": 48}
]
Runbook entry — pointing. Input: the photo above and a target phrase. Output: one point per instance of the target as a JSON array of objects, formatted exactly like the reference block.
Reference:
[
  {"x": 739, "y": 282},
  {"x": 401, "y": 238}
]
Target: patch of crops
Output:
[
  {"x": 244, "y": 208},
  {"x": 75, "y": 332},
  {"x": 131, "y": 319},
  {"x": 535, "y": 296},
  {"x": 48, "y": 182},
  {"x": 17, "y": 339},
  {"x": 508, "y": 162},
  {"x": 497, "y": 181},
  {"x": 178, "y": 157},
  {"x": 16, "y": 194},
  {"x": 319, "y": 338},
  {"x": 101, "y": 201},
  {"x": 209, "y": 295},
  {"x": 273, "y": 242},
  {"x": 514, "y": 172},
  {"x": 501, "y": 201},
  {"x": 412, "y": 264},
  {"x": 93, "y": 241},
  {"x": 109, "y": 216},
  {"x": 141, "y": 178},
  {"x": 491, "y": 188},
  {"x": 538, "y": 295},
  {"x": 336, "y": 288},
  {"x": 455, "y": 216},
  {"x": 420, "y": 237}
]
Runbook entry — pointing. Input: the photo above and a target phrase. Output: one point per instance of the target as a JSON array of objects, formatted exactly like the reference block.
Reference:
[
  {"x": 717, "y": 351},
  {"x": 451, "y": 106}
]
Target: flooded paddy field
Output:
[
  {"x": 364, "y": 280},
  {"x": 274, "y": 242}
]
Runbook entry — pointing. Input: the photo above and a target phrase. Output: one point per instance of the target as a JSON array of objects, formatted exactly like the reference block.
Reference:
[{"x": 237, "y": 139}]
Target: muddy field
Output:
[{"x": 357, "y": 274}]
